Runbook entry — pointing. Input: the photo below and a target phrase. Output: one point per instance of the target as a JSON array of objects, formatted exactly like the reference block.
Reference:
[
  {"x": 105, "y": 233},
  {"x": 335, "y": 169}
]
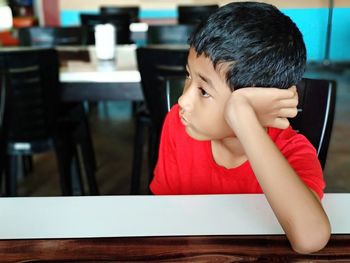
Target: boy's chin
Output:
[
  {"x": 195, "y": 135},
  {"x": 202, "y": 137}
]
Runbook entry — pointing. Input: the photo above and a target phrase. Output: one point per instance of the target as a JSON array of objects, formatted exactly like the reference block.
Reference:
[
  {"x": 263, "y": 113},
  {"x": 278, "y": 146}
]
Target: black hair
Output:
[{"x": 263, "y": 47}]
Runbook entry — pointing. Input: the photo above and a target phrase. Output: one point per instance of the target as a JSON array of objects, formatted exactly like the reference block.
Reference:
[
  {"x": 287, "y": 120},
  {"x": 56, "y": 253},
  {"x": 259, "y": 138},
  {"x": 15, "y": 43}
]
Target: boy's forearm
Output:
[{"x": 298, "y": 210}]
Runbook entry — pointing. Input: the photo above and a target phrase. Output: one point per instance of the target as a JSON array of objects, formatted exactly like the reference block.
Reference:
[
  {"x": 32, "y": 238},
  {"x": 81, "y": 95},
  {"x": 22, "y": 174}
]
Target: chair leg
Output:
[
  {"x": 89, "y": 151},
  {"x": 84, "y": 138},
  {"x": 3, "y": 162},
  {"x": 28, "y": 164},
  {"x": 14, "y": 164},
  {"x": 137, "y": 155},
  {"x": 80, "y": 129},
  {"x": 1, "y": 182},
  {"x": 70, "y": 177},
  {"x": 76, "y": 178},
  {"x": 89, "y": 169},
  {"x": 152, "y": 152},
  {"x": 92, "y": 107},
  {"x": 80, "y": 140},
  {"x": 64, "y": 170}
]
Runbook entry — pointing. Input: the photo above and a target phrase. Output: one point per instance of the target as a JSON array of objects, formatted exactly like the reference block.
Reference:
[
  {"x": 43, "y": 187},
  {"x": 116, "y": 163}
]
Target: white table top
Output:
[
  {"x": 122, "y": 70},
  {"x": 127, "y": 216}
]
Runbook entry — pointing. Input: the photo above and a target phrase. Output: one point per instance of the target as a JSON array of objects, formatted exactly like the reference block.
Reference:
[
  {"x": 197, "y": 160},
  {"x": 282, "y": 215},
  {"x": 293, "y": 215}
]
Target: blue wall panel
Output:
[
  {"x": 312, "y": 24},
  {"x": 154, "y": 13},
  {"x": 72, "y": 17},
  {"x": 340, "y": 40}
]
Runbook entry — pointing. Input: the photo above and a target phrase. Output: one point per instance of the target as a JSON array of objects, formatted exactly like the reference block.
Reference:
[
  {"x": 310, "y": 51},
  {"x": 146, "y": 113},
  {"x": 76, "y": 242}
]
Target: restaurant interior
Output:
[
  {"x": 115, "y": 151},
  {"x": 85, "y": 86}
]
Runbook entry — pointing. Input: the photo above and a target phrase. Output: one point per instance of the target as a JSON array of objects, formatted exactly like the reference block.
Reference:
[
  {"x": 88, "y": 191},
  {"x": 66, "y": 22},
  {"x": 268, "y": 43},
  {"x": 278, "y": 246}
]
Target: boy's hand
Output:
[{"x": 272, "y": 106}]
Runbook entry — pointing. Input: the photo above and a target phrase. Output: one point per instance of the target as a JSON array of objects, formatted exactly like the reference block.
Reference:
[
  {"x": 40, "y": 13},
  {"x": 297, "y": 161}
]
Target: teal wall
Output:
[
  {"x": 71, "y": 17},
  {"x": 312, "y": 22},
  {"x": 340, "y": 41}
]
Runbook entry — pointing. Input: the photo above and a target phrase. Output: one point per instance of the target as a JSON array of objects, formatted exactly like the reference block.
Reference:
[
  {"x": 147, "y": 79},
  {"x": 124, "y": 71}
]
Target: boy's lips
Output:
[{"x": 183, "y": 120}]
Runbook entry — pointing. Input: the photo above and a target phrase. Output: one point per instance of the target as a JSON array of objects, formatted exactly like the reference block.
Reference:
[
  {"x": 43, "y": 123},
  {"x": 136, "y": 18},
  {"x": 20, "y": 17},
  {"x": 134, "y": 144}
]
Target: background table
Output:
[{"x": 91, "y": 79}]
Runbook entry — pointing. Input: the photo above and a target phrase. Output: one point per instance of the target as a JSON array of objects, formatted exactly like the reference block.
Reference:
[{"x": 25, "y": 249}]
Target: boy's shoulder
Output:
[{"x": 290, "y": 142}]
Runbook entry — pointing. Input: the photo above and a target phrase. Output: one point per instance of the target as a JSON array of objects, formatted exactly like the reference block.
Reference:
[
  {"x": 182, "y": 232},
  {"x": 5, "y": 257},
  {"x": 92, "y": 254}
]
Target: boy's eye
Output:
[
  {"x": 187, "y": 75},
  {"x": 204, "y": 93}
]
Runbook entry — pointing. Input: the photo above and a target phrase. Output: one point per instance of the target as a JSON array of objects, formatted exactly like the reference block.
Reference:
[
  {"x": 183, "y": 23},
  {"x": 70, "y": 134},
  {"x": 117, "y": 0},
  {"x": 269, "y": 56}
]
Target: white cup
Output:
[
  {"x": 5, "y": 18},
  {"x": 105, "y": 41}
]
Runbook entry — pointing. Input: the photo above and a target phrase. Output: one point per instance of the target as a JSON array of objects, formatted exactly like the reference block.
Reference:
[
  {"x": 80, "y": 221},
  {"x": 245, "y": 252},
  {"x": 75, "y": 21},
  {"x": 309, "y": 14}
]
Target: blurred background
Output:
[{"x": 326, "y": 31}]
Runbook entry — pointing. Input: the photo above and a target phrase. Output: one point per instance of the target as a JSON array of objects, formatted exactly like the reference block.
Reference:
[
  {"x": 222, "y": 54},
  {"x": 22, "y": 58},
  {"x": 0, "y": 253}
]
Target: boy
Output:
[{"x": 225, "y": 136}]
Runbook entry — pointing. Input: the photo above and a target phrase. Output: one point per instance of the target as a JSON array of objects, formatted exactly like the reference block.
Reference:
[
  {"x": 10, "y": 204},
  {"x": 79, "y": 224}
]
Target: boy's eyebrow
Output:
[
  {"x": 210, "y": 83},
  {"x": 207, "y": 81}
]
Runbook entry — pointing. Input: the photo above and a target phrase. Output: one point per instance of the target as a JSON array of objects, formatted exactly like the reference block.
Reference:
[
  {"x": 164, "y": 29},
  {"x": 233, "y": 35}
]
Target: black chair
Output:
[
  {"x": 193, "y": 14},
  {"x": 3, "y": 128},
  {"x": 169, "y": 34},
  {"x": 33, "y": 123},
  {"x": 171, "y": 88},
  {"x": 52, "y": 36},
  {"x": 315, "y": 109},
  {"x": 133, "y": 11},
  {"x": 71, "y": 112},
  {"x": 154, "y": 62},
  {"x": 120, "y": 21},
  {"x": 316, "y": 113}
]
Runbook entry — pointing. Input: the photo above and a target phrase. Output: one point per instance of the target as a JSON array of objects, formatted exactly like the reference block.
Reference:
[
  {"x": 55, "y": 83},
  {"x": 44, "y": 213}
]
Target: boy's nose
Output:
[{"x": 185, "y": 101}]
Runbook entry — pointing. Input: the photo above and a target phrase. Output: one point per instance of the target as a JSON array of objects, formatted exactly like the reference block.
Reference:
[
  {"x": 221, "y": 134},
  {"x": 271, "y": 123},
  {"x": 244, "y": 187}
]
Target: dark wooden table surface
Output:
[{"x": 170, "y": 249}]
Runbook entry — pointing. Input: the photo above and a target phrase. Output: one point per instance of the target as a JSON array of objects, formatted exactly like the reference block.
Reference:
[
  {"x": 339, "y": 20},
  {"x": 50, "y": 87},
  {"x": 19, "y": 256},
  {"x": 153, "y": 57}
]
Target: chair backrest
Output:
[
  {"x": 169, "y": 34},
  {"x": 3, "y": 127},
  {"x": 171, "y": 89},
  {"x": 316, "y": 113},
  {"x": 193, "y": 14},
  {"x": 315, "y": 109},
  {"x": 31, "y": 93},
  {"x": 155, "y": 62},
  {"x": 133, "y": 11},
  {"x": 52, "y": 36},
  {"x": 3, "y": 121},
  {"x": 120, "y": 21}
]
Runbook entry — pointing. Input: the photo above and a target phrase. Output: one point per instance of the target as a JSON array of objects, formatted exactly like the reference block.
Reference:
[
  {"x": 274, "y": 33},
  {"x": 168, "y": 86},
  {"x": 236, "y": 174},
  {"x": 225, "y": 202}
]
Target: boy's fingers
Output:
[
  {"x": 277, "y": 92},
  {"x": 289, "y": 103},
  {"x": 283, "y": 93},
  {"x": 281, "y": 123},
  {"x": 288, "y": 112},
  {"x": 293, "y": 88},
  {"x": 295, "y": 91}
]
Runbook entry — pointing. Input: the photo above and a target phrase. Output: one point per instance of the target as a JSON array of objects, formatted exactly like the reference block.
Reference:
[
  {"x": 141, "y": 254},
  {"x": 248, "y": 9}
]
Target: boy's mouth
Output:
[{"x": 183, "y": 120}]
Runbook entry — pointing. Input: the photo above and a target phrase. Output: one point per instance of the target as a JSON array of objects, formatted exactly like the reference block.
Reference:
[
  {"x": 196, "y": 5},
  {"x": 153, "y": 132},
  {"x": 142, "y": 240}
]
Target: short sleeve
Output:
[{"x": 302, "y": 156}]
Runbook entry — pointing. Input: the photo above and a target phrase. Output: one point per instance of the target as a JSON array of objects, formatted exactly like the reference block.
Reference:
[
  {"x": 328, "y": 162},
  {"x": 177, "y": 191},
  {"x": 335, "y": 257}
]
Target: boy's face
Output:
[{"x": 203, "y": 100}]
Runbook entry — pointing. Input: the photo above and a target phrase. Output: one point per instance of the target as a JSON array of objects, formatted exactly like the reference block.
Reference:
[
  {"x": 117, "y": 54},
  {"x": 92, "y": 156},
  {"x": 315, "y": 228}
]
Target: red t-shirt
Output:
[{"x": 186, "y": 166}]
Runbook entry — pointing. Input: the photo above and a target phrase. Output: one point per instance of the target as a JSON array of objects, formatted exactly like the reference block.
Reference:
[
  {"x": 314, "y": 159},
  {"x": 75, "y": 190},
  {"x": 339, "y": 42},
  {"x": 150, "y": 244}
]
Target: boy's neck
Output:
[{"x": 228, "y": 152}]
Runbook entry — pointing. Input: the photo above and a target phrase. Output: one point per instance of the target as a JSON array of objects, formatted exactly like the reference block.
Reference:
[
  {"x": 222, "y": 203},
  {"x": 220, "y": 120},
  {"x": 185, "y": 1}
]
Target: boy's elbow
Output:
[{"x": 306, "y": 243}]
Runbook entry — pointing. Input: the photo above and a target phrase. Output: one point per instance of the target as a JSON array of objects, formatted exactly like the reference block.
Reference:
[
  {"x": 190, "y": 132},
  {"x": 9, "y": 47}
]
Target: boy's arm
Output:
[{"x": 297, "y": 208}]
